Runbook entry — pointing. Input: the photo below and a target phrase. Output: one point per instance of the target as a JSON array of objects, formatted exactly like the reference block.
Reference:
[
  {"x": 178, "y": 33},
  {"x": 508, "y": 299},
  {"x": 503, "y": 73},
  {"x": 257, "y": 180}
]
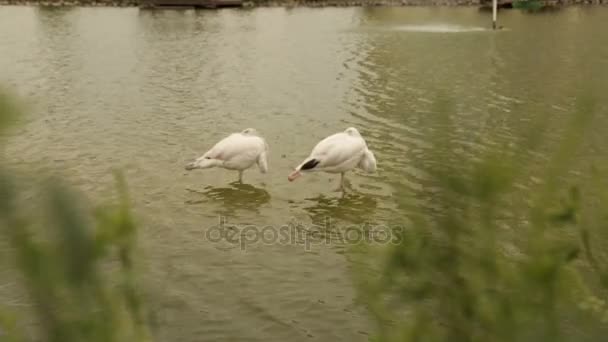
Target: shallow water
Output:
[{"x": 147, "y": 91}]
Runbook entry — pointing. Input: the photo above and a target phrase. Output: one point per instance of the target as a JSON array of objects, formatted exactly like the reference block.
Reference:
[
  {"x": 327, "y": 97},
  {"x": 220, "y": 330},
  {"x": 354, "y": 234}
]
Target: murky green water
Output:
[{"x": 147, "y": 91}]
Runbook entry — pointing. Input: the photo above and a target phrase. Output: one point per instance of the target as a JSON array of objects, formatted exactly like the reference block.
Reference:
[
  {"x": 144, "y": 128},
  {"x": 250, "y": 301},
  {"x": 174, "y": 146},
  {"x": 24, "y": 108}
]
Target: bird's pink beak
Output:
[{"x": 292, "y": 176}]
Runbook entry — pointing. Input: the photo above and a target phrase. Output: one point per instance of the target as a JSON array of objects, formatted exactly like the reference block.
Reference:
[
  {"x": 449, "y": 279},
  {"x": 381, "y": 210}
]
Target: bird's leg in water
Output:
[
  {"x": 240, "y": 176},
  {"x": 341, "y": 187}
]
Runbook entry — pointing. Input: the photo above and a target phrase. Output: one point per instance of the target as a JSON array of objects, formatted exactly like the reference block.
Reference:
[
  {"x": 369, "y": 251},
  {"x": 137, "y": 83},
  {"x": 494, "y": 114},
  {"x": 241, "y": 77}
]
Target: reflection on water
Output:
[
  {"x": 237, "y": 196},
  {"x": 339, "y": 221},
  {"x": 354, "y": 208}
]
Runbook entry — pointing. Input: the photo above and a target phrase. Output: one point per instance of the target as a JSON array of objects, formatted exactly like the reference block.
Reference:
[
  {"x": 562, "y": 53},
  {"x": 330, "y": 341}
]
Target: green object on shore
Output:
[{"x": 528, "y": 4}]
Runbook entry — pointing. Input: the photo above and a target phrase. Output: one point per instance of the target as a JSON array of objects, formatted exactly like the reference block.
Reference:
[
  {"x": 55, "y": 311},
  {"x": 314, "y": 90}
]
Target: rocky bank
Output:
[{"x": 287, "y": 3}]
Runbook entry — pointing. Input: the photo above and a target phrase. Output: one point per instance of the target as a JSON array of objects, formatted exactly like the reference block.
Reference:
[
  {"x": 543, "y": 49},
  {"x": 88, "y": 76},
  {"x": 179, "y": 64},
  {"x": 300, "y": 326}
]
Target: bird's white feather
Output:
[
  {"x": 341, "y": 152},
  {"x": 238, "y": 151},
  {"x": 368, "y": 162},
  {"x": 263, "y": 159}
]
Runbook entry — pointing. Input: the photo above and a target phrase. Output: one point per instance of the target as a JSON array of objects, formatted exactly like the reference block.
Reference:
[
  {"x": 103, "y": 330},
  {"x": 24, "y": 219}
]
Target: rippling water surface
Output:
[{"x": 146, "y": 91}]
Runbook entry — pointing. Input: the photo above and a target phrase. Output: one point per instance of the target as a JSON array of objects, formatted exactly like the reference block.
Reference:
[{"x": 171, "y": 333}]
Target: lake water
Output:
[{"x": 146, "y": 91}]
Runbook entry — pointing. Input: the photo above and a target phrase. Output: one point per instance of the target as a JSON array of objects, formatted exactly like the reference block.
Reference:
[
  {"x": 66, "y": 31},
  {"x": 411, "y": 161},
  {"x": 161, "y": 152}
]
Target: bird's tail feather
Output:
[{"x": 263, "y": 162}]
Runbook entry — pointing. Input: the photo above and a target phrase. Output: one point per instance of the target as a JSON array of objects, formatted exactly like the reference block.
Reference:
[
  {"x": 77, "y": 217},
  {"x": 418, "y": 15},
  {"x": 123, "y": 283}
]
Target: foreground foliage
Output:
[
  {"x": 77, "y": 268},
  {"x": 494, "y": 260}
]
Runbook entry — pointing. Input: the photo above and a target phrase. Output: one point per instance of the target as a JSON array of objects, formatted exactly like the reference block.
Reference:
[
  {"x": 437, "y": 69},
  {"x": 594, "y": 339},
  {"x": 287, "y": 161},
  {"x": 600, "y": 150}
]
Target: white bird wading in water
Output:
[
  {"x": 338, "y": 153},
  {"x": 238, "y": 151}
]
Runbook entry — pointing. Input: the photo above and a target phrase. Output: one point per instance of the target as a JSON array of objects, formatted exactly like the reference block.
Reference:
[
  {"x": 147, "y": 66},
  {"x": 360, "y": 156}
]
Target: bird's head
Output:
[{"x": 204, "y": 162}]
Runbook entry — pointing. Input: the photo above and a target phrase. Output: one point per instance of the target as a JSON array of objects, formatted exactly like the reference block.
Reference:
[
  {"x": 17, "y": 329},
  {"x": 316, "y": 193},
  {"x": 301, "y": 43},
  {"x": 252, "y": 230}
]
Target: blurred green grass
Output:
[
  {"x": 76, "y": 266},
  {"x": 497, "y": 261}
]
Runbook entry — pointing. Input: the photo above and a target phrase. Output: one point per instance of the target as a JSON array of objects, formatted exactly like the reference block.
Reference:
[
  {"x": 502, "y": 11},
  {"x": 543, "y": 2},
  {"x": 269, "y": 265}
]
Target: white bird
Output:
[
  {"x": 338, "y": 153},
  {"x": 238, "y": 151}
]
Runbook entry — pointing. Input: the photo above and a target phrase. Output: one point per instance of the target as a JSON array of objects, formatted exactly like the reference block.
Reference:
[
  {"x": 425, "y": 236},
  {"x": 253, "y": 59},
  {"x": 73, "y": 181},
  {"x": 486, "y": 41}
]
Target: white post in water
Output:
[{"x": 494, "y": 10}]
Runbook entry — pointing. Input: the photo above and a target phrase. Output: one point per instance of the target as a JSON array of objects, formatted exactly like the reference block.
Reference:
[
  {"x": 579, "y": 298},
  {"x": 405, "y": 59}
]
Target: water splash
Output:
[{"x": 437, "y": 28}]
